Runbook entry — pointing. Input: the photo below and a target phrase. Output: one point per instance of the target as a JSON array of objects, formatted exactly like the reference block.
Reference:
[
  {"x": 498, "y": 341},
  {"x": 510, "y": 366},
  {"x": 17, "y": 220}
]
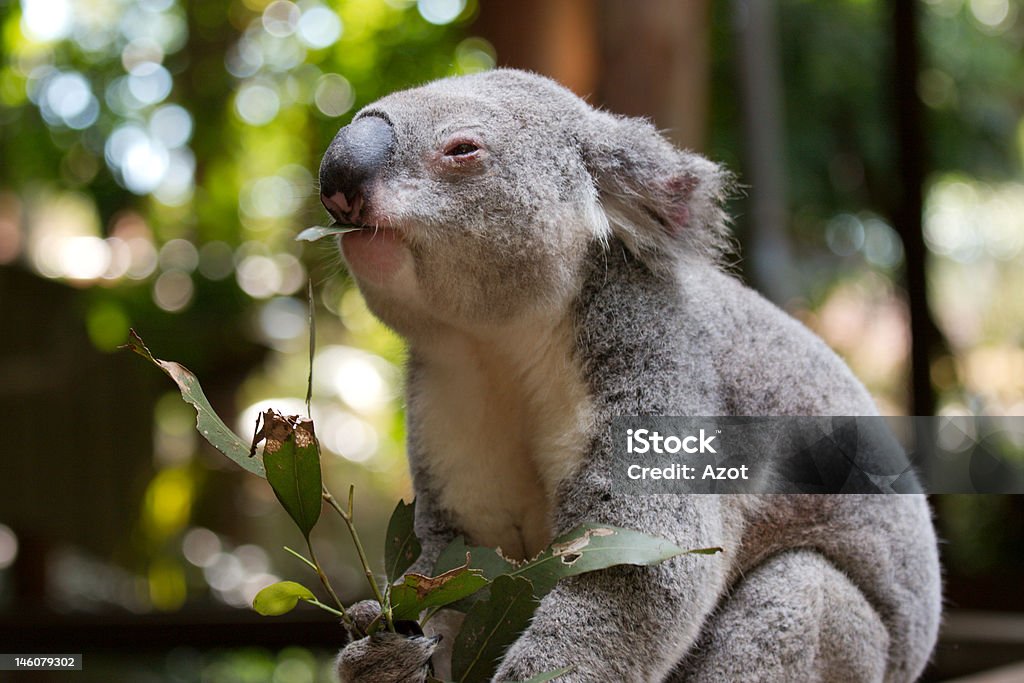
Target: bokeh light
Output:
[
  {"x": 319, "y": 27},
  {"x": 8, "y": 547},
  {"x": 46, "y": 20},
  {"x": 334, "y": 95},
  {"x": 441, "y": 11},
  {"x": 257, "y": 103}
]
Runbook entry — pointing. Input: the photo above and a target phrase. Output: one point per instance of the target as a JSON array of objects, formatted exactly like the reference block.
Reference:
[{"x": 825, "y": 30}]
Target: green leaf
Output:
[
  {"x": 211, "y": 427},
  {"x": 705, "y": 551},
  {"x": 315, "y": 233},
  {"x": 549, "y": 675},
  {"x": 280, "y": 598},
  {"x": 402, "y": 547},
  {"x": 485, "y": 559},
  {"x": 312, "y": 344},
  {"x": 417, "y": 592},
  {"x": 292, "y": 460},
  {"x": 590, "y": 547},
  {"x": 490, "y": 627}
]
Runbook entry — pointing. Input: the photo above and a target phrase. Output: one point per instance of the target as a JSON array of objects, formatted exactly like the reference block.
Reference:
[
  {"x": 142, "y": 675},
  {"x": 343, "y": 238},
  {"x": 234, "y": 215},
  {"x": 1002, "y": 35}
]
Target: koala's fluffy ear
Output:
[{"x": 663, "y": 202}]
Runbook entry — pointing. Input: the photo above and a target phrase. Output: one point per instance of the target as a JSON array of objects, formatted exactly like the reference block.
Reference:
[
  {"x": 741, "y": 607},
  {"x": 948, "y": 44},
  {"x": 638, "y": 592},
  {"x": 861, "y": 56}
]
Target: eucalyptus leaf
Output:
[
  {"x": 402, "y": 547},
  {"x": 312, "y": 345},
  {"x": 585, "y": 549},
  {"x": 208, "y": 424},
  {"x": 548, "y": 675},
  {"x": 319, "y": 232},
  {"x": 417, "y": 592},
  {"x": 591, "y": 547},
  {"x": 291, "y": 457},
  {"x": 280, "y": 598},
  {"x": 485, "y": 559},
  {"x": 490, "y": 626}
]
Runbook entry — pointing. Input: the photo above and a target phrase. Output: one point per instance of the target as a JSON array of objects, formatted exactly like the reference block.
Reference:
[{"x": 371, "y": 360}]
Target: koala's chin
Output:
[{"x": 377, "y": 257}]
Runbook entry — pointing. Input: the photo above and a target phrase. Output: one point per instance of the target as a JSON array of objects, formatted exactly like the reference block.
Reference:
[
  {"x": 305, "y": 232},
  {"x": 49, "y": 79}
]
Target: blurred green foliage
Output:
[
  {"x": 146, "y": 121},
  {"x": 159, "y": 157}
]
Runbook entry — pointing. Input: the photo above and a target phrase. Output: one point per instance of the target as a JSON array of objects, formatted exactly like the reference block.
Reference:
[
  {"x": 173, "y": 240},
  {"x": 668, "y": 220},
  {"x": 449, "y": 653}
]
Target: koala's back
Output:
[
  {"x": 721, "y": 349},
  {"x": 770, "y": 364},
  {"x": 766, "y": 362}
]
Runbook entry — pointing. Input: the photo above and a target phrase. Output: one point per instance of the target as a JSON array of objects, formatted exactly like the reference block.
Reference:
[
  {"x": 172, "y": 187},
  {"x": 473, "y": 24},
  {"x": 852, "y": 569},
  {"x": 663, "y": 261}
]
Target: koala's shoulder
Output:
[{"x": 771, "y": 363}]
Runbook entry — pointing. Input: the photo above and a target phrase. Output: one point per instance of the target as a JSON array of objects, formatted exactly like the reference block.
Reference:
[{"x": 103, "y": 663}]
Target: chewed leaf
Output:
[
  {"x": 292, "y": 460},
  {"x": 319, "y": 232},
  {"x": 597, "y": 546},
  {"x": 280, "y": 598},
  {"x": 417, "y": 592},
  {"x": 208, "y": 424},
  {"x": 487, "y": 560}
]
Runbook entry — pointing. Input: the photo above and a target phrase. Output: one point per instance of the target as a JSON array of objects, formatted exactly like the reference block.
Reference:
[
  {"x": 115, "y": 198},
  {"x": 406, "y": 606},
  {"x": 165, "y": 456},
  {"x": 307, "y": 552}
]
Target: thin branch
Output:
[
  {"x": 349, "y": 621},
  {"x": 347, "y": 518},
  {"x": 301, "y": 557}
]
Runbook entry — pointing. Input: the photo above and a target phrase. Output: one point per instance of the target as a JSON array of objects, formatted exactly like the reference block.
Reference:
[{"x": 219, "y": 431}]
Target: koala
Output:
[{"x": 552, "y": 266}]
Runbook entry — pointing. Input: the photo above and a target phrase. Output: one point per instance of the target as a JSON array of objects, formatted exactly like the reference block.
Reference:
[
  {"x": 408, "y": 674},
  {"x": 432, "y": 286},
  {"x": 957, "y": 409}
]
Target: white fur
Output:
[{"x": 505, "y": 415}]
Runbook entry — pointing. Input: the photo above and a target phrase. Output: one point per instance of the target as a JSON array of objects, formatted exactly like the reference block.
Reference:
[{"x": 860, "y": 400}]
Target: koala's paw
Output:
[
  {"x": 362, "y": 613},
  {"x": 386, "y": 658}
]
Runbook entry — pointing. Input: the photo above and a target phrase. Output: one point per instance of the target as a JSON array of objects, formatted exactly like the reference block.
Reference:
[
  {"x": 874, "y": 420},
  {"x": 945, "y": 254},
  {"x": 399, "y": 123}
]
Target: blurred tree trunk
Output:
[
  {"x": 656, "y": 63},
  {"x": 906, "y": 213},
  {"x": 642, "y": 59},
  {"x": 556, "y": 38},
  {"x": 760, "y": 93}
]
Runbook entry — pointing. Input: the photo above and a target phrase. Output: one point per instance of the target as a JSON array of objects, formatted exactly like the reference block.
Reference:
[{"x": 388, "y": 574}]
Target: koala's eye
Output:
[{"x": 461, "y": 149}]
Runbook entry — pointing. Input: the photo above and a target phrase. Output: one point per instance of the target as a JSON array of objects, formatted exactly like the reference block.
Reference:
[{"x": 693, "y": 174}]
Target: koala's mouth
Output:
[
  {"x": 375, "y": 255},
  {"x": 352, "y": 215}
]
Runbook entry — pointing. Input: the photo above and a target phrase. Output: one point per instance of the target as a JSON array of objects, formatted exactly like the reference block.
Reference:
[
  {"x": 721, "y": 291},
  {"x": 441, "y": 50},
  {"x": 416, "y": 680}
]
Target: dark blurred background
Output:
[{"x": 157, "y": 158}]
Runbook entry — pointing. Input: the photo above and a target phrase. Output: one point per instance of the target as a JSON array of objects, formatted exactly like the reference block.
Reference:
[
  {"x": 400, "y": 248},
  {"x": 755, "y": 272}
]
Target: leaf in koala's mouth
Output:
[{"x": 318, "y": 232}]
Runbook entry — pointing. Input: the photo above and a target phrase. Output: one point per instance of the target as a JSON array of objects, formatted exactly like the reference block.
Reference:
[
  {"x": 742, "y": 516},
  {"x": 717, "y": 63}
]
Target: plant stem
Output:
[
  {"x": 299, "y": 555},
  {"x": 326, "y": 608},
  {"x": 347, "y": 517},
  {"x": 349, "y": 621}
]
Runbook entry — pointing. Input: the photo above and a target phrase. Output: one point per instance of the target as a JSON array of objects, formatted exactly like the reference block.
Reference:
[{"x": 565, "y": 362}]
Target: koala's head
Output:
[{"x": 478, "y": 197}]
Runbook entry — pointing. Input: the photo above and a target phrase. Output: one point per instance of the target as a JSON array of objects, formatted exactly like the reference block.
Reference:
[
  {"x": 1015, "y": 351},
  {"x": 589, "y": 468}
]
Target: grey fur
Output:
[
  {"x": 573, "y": 216},
  {"x": 386, "y": 658}
]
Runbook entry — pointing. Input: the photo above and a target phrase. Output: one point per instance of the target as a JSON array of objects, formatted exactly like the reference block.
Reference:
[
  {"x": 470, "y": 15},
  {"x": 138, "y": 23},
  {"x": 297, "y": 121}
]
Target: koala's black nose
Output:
[{"x": 358, "y": 152}]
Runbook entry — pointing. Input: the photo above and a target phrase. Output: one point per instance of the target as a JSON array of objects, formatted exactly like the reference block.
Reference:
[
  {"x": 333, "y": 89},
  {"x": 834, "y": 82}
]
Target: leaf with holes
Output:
[
  {"x": 292, "y": 460},
  {"x": 417, "y": 592},
  {"x": 208, "y": 424},
  {"x": 486, "y": 560},
  {"x": 590, "y": 547}
]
